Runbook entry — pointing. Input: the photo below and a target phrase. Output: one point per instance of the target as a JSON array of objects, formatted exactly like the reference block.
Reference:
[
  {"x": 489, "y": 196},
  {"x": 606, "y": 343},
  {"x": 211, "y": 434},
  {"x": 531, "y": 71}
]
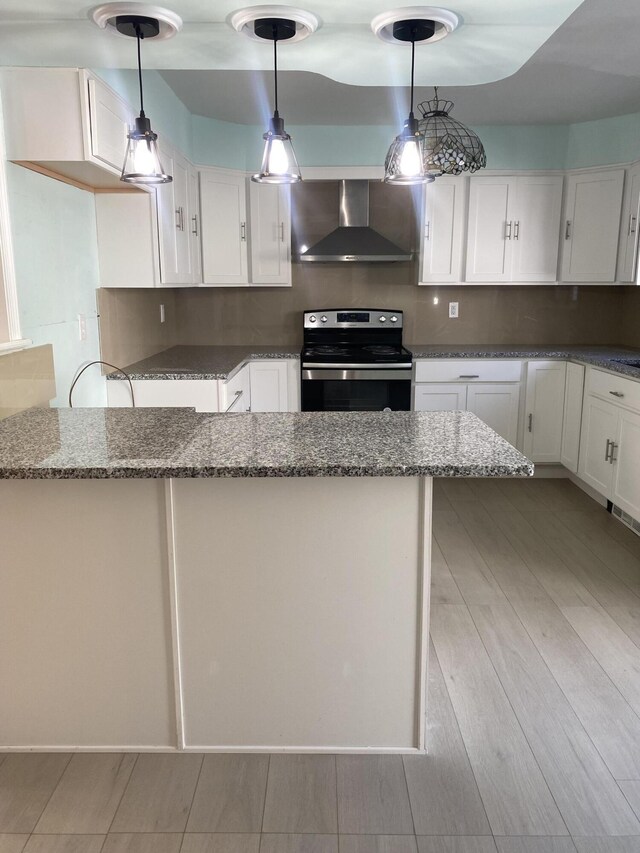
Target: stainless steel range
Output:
[{"x": 353, "y": 360}]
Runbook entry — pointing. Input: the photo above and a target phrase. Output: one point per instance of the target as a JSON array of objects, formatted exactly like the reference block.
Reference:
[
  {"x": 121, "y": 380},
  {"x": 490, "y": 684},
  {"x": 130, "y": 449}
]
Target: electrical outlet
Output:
[
  {"x": 161, "y": 313},
  {"x": 82, "y": 327},
  {"x": 453, "y": 310}
]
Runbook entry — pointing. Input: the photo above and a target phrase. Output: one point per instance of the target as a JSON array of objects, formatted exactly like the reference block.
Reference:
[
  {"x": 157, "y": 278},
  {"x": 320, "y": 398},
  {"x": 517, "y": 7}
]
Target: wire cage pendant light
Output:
[
  {"x": 279, "y": 163},
  {"x": 142, "y": 160},
  {"x": 404, "y": 164},
  {"x": 449, "y": 147}
]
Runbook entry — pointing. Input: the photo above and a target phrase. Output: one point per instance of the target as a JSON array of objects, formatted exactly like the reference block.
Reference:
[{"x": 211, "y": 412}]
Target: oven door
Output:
[{"x": 371, "y": 390}]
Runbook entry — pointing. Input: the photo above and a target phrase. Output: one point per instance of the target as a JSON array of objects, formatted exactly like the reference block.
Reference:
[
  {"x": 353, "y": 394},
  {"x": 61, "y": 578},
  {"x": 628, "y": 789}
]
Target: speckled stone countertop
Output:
[
  {"x": 201, "y": 362},
  {"x": 604, "y": 357},
  {"x": 141, "y": 443}
]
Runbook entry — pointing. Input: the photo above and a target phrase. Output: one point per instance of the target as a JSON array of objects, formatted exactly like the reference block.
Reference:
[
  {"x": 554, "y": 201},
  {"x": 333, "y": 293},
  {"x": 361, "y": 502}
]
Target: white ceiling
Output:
[
  {"x": 494, "y": 40},
  {"x": 589, "y": 68}
]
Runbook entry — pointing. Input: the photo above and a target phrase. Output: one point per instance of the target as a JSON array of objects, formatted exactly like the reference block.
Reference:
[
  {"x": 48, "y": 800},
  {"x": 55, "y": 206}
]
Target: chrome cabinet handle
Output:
[
  {"x": 616, "y": 393},
  {"x": 178, "y": 219},
  {"x": 614, "y": 447},
  {"x": 608, "y": 455},
  {"x": 194, "y": 219},
  {"x": 507, "y": 235},
  {"x": 632, "y": 224},
  {"x": 567, "y": 230},
  {"x": 234, "y": 401},
  {"x": 243, "y": 231},
  {"x": 282, "y": 232},
  {"x": 606, "y": 452},
  {"x": 469, "y": 376},
  {"x": 427, "y": 230},
  {"x": 516, "y": 232},
  {"x": 530, "y": 421}
]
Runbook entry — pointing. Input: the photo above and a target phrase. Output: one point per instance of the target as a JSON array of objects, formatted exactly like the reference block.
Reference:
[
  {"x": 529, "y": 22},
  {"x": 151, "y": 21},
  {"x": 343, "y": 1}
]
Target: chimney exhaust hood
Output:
[{"x": 354, "y": 239}]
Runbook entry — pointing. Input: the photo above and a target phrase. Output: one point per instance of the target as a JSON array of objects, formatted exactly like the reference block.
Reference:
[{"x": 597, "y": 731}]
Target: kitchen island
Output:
[{"x": 175, "y": 580}]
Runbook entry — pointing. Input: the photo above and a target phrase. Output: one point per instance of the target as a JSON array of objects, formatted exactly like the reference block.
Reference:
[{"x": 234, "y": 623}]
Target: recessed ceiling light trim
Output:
[
  {"x": 244, "y": 19},
  {"x": 445, "y": 22},
  {"x": 168, "y": 22}
]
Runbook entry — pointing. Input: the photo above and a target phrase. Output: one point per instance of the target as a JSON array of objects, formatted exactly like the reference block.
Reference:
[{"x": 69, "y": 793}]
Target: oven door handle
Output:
[{"x": 375, "y": 375}]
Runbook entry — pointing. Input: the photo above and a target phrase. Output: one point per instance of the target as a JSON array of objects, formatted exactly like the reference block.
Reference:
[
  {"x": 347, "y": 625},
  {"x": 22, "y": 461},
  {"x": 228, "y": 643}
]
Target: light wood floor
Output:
[{"x": 534, "y": 731}]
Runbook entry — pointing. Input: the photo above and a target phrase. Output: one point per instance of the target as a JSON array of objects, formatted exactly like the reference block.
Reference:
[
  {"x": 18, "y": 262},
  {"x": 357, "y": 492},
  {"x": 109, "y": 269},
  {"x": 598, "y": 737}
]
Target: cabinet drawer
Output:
[
  {"x": 468, "y": 370},
  {"x": 614, "y": 389}
]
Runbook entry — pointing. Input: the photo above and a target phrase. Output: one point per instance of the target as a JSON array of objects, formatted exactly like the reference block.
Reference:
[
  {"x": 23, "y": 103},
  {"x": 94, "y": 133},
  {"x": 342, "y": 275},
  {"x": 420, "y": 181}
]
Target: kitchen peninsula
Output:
[{"x": 223, "y": 582}]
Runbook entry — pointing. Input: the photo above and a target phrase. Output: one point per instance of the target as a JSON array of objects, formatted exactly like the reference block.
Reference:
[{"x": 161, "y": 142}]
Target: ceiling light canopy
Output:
[
  {"x": 449, "y": 147},
  {"x": 279, "y": 164},
  {"x": 404, "y": 162},
  {"x": 141, "y": 161}
]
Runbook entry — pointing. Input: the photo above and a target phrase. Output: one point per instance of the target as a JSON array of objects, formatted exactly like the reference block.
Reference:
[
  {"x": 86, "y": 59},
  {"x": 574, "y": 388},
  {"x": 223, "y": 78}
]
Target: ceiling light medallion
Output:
[
  {"x": 450, "y": 147},
  {"x": 141, "y": 161},
  {"x": 404, "y": 163}
]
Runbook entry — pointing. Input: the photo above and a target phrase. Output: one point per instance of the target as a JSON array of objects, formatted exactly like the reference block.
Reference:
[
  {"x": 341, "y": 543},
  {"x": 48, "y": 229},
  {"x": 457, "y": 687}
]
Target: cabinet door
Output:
[
  {"x": 438, "y": 397},
  {"x": 599, "y": 428},
  {"x": 490, "y": 228},
  {"x": 269, "y": 386},
  {"x": 194, "y": 225},
  {"x": 497, "y": 405},
  {"x": 235, "y": 393},
  {"x": 180, "y": 186},
  {"x": 168, "y": 219},
  {"x": 592, "y": 226},
  {"x": 544, "y": 410},
  {"x": 573, "y": 400},
  {"x": 536, "y": 228},
  {"x": 223, "y": 207},
  {"x": 626, "y": 468},
  {"x": 270, "y": 234},
  {"x": 442, "y": 237},
  {"x": 127, "y": 228},
  {"x": 628, "y": 254},
  {"x": 110, "y": 120}
]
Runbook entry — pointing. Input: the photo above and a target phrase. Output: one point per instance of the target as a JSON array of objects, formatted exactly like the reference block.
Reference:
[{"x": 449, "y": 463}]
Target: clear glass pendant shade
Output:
[
  {"x": 142, "y": 161},
  {"x": 404, "y": 164},
  {"x": 279, "y": 164}
]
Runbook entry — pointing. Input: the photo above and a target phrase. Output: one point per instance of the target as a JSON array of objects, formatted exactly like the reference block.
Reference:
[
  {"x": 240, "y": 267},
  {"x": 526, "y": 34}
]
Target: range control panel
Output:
[{"x": 350, "y": 318}]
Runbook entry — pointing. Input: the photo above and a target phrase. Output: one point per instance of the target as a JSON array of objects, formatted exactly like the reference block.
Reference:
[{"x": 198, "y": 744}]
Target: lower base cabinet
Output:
[
  {"x": 573, "y": 401},
  {"x": 544, "y": 410},
  {"x": 198, "y": 394}
]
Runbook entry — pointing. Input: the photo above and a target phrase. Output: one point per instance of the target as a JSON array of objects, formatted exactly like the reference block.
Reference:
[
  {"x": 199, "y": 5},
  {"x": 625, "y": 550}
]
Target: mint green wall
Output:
[
  {"x": 607, "y": 140},
  {"x": 56, "y": 256},
  {"x": 168, "y": 114}
]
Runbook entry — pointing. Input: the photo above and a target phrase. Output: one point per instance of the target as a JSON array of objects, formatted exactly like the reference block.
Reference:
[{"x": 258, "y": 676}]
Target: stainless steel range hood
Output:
[{"x": 354, "y": 239}]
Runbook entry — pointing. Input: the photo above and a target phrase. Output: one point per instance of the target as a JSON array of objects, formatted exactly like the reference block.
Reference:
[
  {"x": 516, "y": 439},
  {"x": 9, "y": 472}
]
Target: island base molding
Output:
[{"x": 248, "y": 614}]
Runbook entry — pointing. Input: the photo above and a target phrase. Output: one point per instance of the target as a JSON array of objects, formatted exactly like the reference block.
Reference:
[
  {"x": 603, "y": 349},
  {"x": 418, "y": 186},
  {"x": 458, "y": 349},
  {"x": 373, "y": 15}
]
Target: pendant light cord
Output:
[
  {"x": 275, "y": 66},
  {"x": 413, "y": 66},
  {"x": 139, "y": 37}
]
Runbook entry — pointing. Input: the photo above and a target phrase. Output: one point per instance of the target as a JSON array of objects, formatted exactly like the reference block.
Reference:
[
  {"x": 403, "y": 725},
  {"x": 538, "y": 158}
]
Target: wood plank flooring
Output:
[{"x": 533, "y": 731}]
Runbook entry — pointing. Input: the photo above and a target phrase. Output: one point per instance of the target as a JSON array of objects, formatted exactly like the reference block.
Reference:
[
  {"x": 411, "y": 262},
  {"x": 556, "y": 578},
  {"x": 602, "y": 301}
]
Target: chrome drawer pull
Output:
[
  {"x": 531, "y": 422},
  {"x": 616, "y": 393},
  {"x": 234, "y": 401},
  {"x": 606, "y": 453},
  {"x": 469, "y": 376}
]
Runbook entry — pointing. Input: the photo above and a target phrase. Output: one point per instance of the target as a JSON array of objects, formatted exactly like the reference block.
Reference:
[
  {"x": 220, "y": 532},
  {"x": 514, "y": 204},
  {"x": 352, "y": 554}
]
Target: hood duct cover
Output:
[{"x": 354, "y": 239}]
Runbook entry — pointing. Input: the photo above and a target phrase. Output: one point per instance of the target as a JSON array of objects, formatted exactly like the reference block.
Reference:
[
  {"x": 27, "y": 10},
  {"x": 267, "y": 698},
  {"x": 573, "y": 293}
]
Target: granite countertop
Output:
[
  {"x": 603, "y": 357},
  {"x": 141, "y": 443},
  {"x": 201, "y": 362}
]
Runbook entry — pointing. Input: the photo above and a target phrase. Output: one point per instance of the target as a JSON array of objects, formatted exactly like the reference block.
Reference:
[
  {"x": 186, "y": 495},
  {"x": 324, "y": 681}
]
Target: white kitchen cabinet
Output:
[
  {"x": 235, "y": 393},
  {"x": 67, "y": 121},
  {"x": 127, "y": 229},
  {"x": 269, "y": 385},
  {"x": 439, "y": 397},
  {"x": 497, "y": 405},
  {"x": 592, "y": 225},
  {"x": 270, "y": 234},
  {"x": 223, "y": 207},
  {"x": 198, "y": 394},
  {"x": 544, "y": 410},
  {"x": 628, "y": 249},
  {"x": 626, "y": 464},
  {"x": 194, "y": 228},
  {"x": 443, "y": 231},
  {"x": 599, "y": 430},
  {"x": 573, "y": 402},
  {"x": 513, "y": 228},
  {"x": 174, "y": 219}
]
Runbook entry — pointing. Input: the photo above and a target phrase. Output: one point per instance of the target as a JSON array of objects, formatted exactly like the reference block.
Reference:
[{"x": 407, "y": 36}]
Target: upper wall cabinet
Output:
[
  {"x": 66, "y": 120},
  {"x": 246, "y": 234},
  {"x": 592, "y": 223},
  {"x": 513, "y": 228},
  {"x": 628, "y": 251},
  {"x": 443, "y": 231},
  {"x": 176, "y": 208}
]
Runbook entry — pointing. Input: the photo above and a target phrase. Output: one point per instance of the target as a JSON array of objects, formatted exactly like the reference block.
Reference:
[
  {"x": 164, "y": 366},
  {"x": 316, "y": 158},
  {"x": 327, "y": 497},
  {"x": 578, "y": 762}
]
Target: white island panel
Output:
[{"x": 301, "y": 624}]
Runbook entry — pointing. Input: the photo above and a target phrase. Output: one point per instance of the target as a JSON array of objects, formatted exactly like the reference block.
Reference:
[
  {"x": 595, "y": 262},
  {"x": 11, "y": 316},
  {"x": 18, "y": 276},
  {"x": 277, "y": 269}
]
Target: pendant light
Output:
[
  {"x": 279, "y": 164},
  {"x": 450, "y": 147},
  {"x": 141, "y": 162},
  {"x": 404, "y": 163}
]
